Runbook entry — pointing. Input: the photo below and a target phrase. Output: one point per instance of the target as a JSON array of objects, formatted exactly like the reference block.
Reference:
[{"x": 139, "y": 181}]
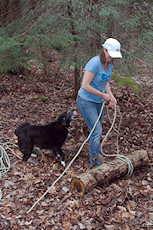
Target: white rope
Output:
[
  {"x": 4, "y": 161},
  {"x": 117, "y": 155},
  {"x": 4, "y": 158},
  {"x": 124, "y": 158}
]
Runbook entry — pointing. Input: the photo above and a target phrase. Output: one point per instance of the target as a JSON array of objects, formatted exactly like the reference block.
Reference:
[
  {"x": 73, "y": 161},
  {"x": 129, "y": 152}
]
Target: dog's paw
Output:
[
  {"x": 63, "y": 163},
  {"x": 33, "y": 155}
]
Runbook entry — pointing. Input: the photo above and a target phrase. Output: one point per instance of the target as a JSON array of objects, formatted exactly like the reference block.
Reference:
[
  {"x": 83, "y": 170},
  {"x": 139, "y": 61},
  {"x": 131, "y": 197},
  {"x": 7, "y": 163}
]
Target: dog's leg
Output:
[
  {"x": 62, "y": 156},
  {"x": 26, "y": 147},
  {"x": 58, "y": 151},
  {"x": 26, "y": 156},
  {"x": 55, "y": 151}
]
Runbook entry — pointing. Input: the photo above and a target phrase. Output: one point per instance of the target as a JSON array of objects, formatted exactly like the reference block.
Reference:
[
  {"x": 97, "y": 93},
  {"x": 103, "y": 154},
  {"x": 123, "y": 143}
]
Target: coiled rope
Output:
[
  {"x": 124, "y": 158},
  {"x": 4, "y": 161},
  {"x": 4, "y": 158}
]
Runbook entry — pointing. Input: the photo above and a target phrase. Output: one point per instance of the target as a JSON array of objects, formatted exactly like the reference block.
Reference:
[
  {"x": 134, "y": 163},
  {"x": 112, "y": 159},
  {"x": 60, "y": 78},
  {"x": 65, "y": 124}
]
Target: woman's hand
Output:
[
  {"x": 108, "y": 91},
  {"x": 108, "y": 98},
  {"x": 111, "y": 104}
]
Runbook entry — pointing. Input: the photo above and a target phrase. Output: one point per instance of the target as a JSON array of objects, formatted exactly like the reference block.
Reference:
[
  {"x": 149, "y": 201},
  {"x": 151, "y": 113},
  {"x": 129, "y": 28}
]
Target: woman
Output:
[{"x": 94, "y": 90}]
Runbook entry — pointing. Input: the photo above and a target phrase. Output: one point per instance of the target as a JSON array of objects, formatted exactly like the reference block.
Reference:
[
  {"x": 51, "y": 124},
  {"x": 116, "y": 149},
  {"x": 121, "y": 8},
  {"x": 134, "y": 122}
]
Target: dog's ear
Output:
[
  {"x": 61, "y": 116},
  {"x": 64, "y": 119}
]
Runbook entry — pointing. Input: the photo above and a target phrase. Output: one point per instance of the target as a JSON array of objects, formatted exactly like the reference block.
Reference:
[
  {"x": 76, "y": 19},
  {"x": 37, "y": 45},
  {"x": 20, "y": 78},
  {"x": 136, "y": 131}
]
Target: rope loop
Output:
[{"x": 117, "y": 155}]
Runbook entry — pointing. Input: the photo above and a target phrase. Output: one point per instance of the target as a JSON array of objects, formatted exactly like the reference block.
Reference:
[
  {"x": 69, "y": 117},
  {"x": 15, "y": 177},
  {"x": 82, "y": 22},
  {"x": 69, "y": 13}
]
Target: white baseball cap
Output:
[{"x": 113, "y": 47}]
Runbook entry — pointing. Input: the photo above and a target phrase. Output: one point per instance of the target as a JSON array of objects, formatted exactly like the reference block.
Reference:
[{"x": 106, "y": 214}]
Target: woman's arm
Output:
[{"x": 87, "y": 79}]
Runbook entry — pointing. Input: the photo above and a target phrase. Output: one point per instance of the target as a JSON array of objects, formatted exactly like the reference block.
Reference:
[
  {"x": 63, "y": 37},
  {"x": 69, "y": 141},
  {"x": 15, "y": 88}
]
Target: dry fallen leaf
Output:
[{"x": 125, "y": 215}]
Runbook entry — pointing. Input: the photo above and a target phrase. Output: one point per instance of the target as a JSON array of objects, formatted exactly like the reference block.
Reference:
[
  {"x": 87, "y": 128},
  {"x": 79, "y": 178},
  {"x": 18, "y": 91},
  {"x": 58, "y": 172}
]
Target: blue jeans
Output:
[{"x": 90, "y": 111}]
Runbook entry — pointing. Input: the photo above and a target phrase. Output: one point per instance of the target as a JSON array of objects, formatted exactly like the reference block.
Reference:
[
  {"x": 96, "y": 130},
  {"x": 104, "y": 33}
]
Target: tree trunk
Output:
[
  {"x": 76, "y": 81},
  {"x": 76, "y": 68},
  {"x": 110, "y": 28},
  {"x": 108, "y": 171}
]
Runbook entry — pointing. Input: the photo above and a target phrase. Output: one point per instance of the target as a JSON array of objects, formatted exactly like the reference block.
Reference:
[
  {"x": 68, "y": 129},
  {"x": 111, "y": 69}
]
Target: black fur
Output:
[{"x": 50, "y": 136}]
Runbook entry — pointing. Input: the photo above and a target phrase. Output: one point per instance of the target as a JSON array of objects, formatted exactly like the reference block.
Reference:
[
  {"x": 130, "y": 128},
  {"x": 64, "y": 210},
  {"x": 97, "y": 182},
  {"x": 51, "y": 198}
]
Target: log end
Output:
[{"x": 78, "y": 184}]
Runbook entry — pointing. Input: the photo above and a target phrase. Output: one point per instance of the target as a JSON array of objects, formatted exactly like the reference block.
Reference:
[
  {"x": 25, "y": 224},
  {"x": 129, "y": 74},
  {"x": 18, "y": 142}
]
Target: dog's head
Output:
[{"x": 66, "y": 118}]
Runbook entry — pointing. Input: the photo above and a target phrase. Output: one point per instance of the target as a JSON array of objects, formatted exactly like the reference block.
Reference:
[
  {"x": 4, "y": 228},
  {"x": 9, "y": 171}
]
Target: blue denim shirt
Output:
[{"x": 99, "y": 81}]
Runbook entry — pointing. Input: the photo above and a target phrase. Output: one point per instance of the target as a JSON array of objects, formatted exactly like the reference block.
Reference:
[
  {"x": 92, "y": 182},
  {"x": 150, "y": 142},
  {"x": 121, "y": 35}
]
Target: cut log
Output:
[{"x": 108, "y": 171}]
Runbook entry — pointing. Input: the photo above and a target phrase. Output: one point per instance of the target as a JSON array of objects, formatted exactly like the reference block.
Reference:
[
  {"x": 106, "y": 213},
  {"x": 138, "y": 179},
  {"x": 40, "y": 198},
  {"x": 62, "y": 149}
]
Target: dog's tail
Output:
[{"x": 17, "y": 131}]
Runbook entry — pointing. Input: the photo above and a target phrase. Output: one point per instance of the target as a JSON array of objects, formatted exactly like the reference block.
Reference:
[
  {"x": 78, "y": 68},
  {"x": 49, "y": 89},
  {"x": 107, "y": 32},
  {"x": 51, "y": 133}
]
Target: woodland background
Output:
[{"x": 44, "y": 46}]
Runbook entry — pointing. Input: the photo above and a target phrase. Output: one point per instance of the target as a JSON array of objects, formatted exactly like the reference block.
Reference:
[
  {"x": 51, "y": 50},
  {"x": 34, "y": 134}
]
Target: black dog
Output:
[{"x": 50, "y": 136}]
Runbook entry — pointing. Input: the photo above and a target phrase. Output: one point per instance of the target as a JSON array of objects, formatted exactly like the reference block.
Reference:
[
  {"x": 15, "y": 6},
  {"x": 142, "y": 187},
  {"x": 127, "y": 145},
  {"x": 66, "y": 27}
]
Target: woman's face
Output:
[{"x": 107, "y": 56}]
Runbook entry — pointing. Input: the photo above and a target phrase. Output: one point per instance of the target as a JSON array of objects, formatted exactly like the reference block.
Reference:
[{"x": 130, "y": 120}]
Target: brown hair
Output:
[{"x": 102, "y": 57}]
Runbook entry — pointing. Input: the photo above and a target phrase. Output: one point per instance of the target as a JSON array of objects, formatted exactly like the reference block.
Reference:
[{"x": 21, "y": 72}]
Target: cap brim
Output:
[{"x": 115, "y": 54}]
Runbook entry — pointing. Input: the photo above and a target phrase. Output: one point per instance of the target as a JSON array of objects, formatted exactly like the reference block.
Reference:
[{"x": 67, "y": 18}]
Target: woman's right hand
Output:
[{"x": 107, "y": 97}]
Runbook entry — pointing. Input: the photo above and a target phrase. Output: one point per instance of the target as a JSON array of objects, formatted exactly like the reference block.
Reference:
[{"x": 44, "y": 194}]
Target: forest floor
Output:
[{"x": 126, "y": 203}]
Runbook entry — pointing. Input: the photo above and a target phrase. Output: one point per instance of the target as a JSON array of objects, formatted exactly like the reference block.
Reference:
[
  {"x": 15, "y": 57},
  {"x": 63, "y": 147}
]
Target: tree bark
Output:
[
  {"x": 108, "y": 171},
  {"x": 73, "y": 32}
]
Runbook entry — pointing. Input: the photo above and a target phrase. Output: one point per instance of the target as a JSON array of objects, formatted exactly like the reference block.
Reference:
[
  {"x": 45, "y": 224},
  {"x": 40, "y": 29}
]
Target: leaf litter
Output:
[{"x": 125, "y": 204}]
